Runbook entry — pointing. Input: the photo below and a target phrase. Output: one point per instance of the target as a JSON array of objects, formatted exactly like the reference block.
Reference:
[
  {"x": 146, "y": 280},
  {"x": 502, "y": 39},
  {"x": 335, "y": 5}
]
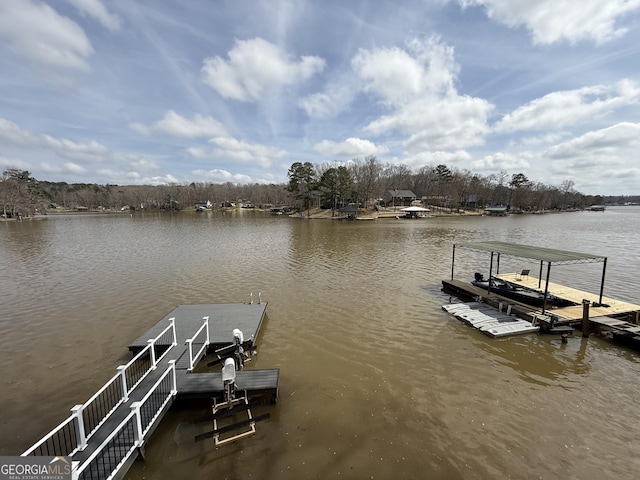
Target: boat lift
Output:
[{"x": 225, "y": 415}]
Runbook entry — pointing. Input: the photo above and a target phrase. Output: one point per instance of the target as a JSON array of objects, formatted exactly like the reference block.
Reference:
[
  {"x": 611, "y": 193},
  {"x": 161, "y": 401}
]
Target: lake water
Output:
[{"x": 376, "y": 381}]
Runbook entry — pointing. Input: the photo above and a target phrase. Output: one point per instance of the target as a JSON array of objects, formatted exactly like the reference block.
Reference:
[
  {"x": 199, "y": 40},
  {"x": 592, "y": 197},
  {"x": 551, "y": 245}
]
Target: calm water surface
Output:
[{"x": 376, "y": 381}]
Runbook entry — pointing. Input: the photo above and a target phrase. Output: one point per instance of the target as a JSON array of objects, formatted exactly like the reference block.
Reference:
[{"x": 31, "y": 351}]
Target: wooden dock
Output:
[
  {"x": 619, "y": 317},
  {"x": 106, "y": 434},
  {"x": 614, "y": 307}
]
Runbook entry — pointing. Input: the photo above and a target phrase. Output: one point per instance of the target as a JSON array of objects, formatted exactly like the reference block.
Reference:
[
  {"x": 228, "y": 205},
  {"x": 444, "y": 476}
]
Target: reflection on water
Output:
[{"x": 376, "y": 380}]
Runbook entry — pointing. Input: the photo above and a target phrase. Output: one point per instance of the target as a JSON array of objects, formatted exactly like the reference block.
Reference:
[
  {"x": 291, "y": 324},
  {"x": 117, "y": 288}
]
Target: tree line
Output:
[{"x": 363, "y": 182}]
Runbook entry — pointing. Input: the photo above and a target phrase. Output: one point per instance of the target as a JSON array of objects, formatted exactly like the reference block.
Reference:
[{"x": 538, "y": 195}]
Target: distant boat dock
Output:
[
  {"x": 107, "y": 433},
  {"x": 580, "y": 309}
]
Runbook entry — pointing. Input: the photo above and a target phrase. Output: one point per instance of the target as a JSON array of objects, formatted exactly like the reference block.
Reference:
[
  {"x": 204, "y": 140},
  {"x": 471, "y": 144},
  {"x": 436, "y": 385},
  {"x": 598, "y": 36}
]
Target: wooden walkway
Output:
[{"x": 103, "y": 451}]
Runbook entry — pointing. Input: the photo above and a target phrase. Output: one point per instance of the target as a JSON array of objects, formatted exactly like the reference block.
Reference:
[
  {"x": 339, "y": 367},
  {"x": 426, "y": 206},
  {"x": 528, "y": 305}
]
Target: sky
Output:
[{"x": 133, "y": 92}]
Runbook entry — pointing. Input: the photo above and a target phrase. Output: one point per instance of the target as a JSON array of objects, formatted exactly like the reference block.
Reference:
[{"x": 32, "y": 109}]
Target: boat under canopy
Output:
[{"x": 548, "y": 256}]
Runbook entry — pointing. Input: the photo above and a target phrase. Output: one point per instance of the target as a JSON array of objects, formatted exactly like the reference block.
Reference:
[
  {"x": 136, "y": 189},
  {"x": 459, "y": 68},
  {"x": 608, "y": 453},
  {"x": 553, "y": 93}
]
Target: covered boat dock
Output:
[{"x": 546, "y": 256}]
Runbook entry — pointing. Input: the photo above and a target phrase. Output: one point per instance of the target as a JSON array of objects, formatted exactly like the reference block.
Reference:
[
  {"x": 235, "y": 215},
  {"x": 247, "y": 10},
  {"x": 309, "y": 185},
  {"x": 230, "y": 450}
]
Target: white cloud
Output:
[
  {"x": 417, "y": 86},
  {"x": 600, "y": 160},
  {"x": 70, "y": 168},
  {"x": 551, "y": 21},
  {"x": 328, "y": 103},
  {"x": 12, "y": 134},
  {"x": 198, "y": 152},
  {"x": 237, "y": 150},
  {"x": 502, "y": 161},
  {"x": 96, "y": 10},
  {"x": 254, "y": 66},
  {"x": 36, "y": 32},
  {"x": 608, "y": 147},
  {"x": 547, "y": 138},
  {"x": 562, "y": 108},
  {"x": 434, "y": 158},
  {"x": 176, "y": 125},
  {"x": 232, "y": 149},
  {"x": 221, "y": 176},
  {"x": 13, "y": 163},
  {"x": 125, "y": 176},
  {"x": 156, "y": 180},
  {"x": 425, "y": 68},
  {"x": 450, "y": 122},
  {"x": 135, "y": 161},
  {"x": 350, "y": 148}
]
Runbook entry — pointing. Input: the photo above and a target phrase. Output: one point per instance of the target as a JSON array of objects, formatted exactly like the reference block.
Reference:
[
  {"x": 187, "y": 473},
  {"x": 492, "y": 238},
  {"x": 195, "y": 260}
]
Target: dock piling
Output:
[{"x": 585, "y": 317}]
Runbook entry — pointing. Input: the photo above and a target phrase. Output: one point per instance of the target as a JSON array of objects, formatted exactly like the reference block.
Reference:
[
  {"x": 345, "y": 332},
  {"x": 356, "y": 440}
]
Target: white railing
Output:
[
  {"x": 135, "y": 371},
  {"x": 61, "y": 441},
  {"x": 193, "y": 358},
  {"x": 71, "y": 436},
  {"x": 130, "y": 434}
]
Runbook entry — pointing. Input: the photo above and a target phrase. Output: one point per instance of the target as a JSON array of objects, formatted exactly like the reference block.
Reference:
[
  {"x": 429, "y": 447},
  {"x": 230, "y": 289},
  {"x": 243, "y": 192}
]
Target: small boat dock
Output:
[
  {"x": 222, "y": 320},
  {"x": 104, "y": 435},
  {"x": 577, "y": 308}
]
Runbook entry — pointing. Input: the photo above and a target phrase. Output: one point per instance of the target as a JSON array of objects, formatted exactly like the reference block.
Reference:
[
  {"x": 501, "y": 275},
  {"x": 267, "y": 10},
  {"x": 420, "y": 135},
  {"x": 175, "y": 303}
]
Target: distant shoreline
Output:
[{"x": 315, "y": 214}]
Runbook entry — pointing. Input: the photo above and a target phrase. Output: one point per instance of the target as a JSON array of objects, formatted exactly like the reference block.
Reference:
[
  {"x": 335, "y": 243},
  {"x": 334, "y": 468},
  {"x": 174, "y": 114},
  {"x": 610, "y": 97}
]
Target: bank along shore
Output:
[
  {"x": 396, "y": 212},
  {"x": 314, "y": 213}
]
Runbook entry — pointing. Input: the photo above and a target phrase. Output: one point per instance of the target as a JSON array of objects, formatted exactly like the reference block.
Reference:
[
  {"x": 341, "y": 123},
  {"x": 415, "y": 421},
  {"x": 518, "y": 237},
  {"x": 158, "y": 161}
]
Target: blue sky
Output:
[{"x": 154, "y": 92}]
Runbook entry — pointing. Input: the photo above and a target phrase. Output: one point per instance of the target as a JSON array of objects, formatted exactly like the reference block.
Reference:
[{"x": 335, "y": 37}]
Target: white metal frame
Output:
[
  {"x": 139, "y": 432},
  {"x": 77, "y": 411},
  {"x": 193, "y": 358}
]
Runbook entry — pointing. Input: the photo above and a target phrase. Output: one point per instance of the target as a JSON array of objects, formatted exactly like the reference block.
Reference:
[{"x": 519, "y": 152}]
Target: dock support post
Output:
[
  {"x": 135, "y": 408},
  {"x": 172, "y": 322},
  {"x": 152, "y": 353},
  {"x": 172, "y": 365},
  {"x": 585, "y": 317},
  {"x": 206, "y": 326},
  {"x": 453, "y": 260},
  {"x": 190, "y": 348},
  {"x": 123, "y": 377},
  {"x": 80, "y": 434}
]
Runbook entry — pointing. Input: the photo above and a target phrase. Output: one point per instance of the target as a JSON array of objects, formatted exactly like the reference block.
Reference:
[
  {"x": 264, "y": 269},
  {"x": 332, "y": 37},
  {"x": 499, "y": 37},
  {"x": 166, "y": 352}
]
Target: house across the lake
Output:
[{"x": 401, "y": 198}]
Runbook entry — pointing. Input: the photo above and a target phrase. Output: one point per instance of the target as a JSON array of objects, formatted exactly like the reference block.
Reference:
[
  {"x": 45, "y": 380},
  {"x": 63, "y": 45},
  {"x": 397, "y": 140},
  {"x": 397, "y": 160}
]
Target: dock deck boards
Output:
[
  {"x": 616, "y": 307},
  {"x": 223, "y": 318},
  {"x": 196, "y": 384}
]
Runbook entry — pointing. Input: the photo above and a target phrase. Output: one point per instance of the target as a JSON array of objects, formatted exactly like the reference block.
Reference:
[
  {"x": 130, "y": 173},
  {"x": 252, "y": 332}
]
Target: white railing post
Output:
[
  {"x": 135, "y": 409},
  {"x": 125, "y": 394},
  {"x": 172, "y": 322},
  {"x": 206, "y": 323},
  {"x": 81, "y": 438},
  {"x": 152, "y": 352},
  {"x": 172, "y": 366},
  {"x": 188, "y": 342}
]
